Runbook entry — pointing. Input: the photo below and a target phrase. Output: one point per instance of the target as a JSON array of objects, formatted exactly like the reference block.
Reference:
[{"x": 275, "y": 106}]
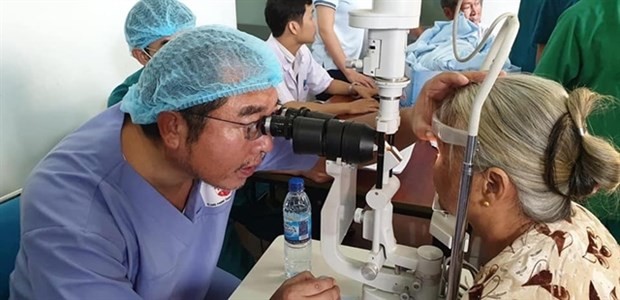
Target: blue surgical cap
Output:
[
  {"x": 198, "y": 66},
  {"x": 150, "y": 20}
]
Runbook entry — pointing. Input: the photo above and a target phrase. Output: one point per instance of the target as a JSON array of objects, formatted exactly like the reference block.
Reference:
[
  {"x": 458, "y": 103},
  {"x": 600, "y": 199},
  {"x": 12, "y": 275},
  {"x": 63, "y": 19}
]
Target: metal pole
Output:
[{"x": 456, "y": 255}]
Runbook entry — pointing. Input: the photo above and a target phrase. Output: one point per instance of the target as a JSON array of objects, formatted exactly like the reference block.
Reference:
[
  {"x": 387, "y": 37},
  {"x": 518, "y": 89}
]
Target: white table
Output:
[{"x": 268, "y": 273}]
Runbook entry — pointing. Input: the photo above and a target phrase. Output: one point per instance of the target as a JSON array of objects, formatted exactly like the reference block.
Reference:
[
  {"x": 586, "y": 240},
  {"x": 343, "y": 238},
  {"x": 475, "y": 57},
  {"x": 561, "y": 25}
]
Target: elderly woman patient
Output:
[{"x": 535, "y": 163}]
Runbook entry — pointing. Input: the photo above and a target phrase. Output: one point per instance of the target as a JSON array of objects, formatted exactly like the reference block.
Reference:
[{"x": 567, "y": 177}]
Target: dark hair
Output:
[
  {"x": 451, "y": 4},
  {"x": 279, "y": 12},
  {"x": 192, "y": 116}
]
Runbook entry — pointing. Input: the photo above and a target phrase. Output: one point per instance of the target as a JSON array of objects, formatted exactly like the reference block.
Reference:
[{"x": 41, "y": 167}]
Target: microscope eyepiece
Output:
[
  {"x": 322, "y": 134},
  {"x": 304, "y": 112}
]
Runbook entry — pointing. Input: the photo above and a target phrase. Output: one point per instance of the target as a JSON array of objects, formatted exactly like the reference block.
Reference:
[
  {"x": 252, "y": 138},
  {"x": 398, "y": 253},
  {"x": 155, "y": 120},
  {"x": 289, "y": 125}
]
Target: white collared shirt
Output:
[
  {"x": 303, "y": 76},
  {"x": 351, "y": 39}
]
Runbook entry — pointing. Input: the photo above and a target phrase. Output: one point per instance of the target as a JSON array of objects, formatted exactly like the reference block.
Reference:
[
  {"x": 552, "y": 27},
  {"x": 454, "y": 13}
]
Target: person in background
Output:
[
  {"x": 582, "y": 52},
  {"x": 548, "y": 16},
  {"x": 336, "y": 41},
  {"x": 292, "y": 27},
  {"x": 529, "y": 179},
  {"x": 523, "y": 52},
  {"x": 134, "y": 203},
  {"x": 150, "y": 24},
  {"x": 472, "y": 9}
]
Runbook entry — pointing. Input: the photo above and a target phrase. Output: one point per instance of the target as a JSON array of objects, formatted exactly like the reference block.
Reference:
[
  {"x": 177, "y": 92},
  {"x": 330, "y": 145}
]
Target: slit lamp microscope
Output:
[{"x": 390, "y": 270}]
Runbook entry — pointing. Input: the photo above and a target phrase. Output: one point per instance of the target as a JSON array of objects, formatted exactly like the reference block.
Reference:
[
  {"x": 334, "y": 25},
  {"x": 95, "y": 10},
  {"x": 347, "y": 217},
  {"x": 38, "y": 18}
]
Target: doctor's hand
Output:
[
  {"x": 432, "y": 95},
  {"x": 363, "y": 106},
  {"x": 305, "y": 286},
  {"x": 353, "y": 76},
  {"x": 364, "y": 92}
]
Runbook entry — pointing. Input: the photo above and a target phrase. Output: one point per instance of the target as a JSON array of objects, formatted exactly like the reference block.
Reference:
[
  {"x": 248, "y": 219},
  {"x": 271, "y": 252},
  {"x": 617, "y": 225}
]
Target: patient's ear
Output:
[{"x": 497, "y": 186}]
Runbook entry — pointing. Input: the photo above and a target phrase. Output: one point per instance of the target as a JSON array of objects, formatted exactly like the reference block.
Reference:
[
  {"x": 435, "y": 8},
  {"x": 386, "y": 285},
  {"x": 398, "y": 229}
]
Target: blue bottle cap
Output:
[{"x": 295, "y": 184}]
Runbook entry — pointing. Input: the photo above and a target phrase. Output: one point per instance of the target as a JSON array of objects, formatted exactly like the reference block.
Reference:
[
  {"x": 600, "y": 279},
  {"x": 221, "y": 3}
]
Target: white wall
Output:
[
  {"x": 59, "y": 60},
  {"x": 491, "y": 9}
]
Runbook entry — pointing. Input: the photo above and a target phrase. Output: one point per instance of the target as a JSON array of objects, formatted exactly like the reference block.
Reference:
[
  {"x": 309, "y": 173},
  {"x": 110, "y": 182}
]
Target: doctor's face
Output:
[{"x": 226, "y": 152}]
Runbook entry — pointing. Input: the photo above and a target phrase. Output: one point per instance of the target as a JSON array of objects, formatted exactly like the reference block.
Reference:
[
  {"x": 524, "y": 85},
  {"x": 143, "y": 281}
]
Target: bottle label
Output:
[{"x": 296, "y": 232}]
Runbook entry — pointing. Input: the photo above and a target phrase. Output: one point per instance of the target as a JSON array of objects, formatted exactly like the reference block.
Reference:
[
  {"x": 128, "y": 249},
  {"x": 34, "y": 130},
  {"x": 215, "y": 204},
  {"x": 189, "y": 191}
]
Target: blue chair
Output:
[{"x": 9, "y": 241}]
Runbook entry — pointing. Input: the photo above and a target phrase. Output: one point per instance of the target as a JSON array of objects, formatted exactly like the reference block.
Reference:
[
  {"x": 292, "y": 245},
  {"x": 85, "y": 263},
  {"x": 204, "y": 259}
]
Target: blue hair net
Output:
[
  {"x": 150, "y": 20},
  {"x": 198, "y": 66}
]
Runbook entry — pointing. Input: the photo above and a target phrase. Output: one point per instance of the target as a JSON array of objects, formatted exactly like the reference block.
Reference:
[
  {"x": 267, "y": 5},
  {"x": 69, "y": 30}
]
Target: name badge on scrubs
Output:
[{"x": 214, "y": 197}]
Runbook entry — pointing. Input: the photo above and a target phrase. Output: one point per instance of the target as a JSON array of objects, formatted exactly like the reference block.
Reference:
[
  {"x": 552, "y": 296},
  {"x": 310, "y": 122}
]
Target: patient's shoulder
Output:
[{"x": 576, "y": 257}]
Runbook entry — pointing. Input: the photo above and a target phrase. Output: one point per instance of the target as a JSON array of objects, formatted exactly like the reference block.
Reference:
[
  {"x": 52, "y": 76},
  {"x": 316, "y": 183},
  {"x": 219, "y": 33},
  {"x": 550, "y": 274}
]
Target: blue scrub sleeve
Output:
[
  {"x": 67, "y": 263},
  {"x": 223, "y": 284},
  {"x": 282, "y": 157}
]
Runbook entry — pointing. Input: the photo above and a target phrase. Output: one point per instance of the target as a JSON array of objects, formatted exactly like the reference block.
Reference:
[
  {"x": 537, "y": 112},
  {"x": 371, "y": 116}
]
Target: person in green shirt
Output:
[
  {"x": 582, "y": 52},
  {"x": 150, "y": 24}
]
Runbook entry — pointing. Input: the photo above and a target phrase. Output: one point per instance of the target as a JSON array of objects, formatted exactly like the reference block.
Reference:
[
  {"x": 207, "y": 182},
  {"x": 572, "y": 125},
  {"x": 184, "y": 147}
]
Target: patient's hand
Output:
[{"x": 304, "y": 285}]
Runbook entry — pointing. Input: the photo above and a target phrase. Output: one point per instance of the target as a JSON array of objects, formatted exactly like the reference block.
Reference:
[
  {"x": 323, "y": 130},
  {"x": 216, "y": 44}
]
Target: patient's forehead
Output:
[{"x": 470, "y": 2}]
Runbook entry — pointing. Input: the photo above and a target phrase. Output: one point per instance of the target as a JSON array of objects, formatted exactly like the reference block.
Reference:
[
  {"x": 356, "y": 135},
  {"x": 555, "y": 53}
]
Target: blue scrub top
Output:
[{"x": 92, "y": 228}]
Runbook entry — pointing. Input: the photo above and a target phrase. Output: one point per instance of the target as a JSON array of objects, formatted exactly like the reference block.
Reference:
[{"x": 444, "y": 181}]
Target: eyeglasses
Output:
[
  {"x": 148, "y": 49},
  {"x": 147, "y": 53},
  {"x": 152, "y": 50},
  {"x": 252, "y": 130}
]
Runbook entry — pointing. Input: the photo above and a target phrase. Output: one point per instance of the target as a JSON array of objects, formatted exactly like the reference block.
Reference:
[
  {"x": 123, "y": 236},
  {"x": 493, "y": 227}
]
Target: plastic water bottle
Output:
[{"x": 297, "y": 229}]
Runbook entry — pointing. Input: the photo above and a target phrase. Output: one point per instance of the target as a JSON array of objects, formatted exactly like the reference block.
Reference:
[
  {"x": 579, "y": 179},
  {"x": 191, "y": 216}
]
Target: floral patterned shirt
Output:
[{"x": 576, "y": 259}]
